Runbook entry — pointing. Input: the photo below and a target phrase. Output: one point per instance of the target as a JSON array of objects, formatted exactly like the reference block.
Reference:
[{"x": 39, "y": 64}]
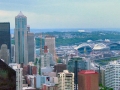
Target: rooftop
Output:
[
  {"x": 20, "y": 14},
  {"x": 87, "y": 72},
  {"x": 25, "y": 88},
  {"x": 48, "y": 36},
  {"x": 114, "y": 63},
  {"x": 99, "y": 46}
]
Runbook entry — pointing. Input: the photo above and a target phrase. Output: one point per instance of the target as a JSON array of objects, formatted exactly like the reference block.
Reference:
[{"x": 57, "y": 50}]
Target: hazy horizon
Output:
[{"x": 70, "y": 30}]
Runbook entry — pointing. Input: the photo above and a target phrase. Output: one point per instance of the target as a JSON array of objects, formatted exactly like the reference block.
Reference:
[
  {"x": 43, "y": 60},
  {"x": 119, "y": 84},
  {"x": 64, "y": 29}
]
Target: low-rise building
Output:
[{"x": 59, "y": 67}]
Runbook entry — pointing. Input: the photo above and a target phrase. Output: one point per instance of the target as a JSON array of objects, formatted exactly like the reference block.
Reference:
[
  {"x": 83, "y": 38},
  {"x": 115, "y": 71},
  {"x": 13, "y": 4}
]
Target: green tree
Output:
[
  {"x": 36, "y": 60},
  {"x": 59, "y": 60},
  {"x": 104, "y": 87}
]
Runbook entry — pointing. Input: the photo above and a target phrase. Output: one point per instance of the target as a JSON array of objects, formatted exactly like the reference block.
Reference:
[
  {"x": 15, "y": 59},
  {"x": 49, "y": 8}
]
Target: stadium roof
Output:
[{"x": 99, "y": 46}]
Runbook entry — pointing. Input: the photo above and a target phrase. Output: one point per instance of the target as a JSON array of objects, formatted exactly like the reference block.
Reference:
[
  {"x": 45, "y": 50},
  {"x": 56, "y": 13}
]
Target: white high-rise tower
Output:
[
  {"x": 112, "y": 75},
  {"x": 21, "y": 49}
]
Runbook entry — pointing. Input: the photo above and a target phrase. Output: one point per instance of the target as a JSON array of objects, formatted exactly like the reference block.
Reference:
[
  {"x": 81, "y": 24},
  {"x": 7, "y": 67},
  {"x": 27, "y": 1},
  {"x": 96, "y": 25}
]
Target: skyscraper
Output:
[
  {"x": 50, "y": 43},
  {"x": 88, "y": 80},
  {"x": 21, "y": 49},
  {"x": 5, "y": 36},
  {"x": 31, "y": 45}
]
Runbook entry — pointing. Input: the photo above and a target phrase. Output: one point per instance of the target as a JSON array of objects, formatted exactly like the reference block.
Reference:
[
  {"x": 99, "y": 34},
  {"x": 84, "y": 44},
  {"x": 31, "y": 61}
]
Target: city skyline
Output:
[{"x": 63, "y": 13}]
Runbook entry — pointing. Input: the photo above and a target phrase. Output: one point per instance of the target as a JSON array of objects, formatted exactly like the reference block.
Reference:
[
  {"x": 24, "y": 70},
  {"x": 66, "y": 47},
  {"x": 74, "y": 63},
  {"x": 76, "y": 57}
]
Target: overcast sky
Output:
[{"x": 63, "y": 13}]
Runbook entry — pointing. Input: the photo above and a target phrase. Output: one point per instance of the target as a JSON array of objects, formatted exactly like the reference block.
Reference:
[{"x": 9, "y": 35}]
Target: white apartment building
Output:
[
  {"x": 19, "y": 79},
  {"x": 19, "y": 73},
  {"x": 112, "y": 75},
  {"x": 45, "y": 60},
  {"x": 65, "y": 80}
]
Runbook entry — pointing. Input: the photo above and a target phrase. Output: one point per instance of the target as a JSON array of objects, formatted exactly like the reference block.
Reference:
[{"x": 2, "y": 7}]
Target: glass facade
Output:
[
  {"x": 21, "y": 39},
  {"x": 5, "y": 37},
  {"x": 82, "y": 65}
]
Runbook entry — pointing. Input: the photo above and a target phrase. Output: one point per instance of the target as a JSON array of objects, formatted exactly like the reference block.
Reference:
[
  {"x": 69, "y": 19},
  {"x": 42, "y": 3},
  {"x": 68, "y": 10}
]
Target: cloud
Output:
[
  {"x": 37, "y": 20},
  {"x": 63, "y": 13}
]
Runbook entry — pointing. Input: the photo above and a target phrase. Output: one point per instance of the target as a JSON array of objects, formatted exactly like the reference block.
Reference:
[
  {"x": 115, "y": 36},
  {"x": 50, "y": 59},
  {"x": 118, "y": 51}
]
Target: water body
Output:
[{"x": 70, "y": 30}]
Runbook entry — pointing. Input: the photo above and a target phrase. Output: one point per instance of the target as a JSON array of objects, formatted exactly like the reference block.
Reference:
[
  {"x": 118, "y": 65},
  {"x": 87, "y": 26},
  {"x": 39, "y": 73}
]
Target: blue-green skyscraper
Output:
[{"x": 21, "y": 49}]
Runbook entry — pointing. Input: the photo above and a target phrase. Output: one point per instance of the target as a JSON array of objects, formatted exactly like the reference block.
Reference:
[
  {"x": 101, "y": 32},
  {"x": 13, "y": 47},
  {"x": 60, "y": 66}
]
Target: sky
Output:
[{"x": 63, "y": 13}]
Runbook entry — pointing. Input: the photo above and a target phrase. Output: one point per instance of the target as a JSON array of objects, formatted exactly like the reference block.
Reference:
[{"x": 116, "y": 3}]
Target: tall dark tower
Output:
[
  {"x": 76, "y": 74},
  {"x": 31, "y": 45},
  {"x": 5, "y": 37}
]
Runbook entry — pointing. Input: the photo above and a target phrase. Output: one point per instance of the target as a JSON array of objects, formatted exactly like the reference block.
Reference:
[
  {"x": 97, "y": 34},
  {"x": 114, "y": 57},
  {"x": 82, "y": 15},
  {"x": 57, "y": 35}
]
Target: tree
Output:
[
  {"x": 104, "y": 87},
  {"x": 36, "y": 60},
  {"x": 59, "y": 60}
]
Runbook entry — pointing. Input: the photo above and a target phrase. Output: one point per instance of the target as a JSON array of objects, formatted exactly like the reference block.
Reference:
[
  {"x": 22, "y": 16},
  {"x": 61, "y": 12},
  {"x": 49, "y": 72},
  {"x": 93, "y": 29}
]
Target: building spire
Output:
[{"x": 20, "y": 14}]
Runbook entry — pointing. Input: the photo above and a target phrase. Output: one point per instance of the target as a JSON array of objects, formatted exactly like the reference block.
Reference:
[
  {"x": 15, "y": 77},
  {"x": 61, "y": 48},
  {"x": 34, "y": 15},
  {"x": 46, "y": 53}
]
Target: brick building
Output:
[{"x": 88, "y": 80}]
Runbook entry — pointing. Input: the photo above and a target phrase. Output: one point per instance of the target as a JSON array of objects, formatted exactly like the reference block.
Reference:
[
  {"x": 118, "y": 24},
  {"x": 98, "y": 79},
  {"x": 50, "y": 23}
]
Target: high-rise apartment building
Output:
[
  {"x": 31, "y": 45},
  {"x": 50, "y": 43},
  {"x": 88, "y": 80},
  {"x": 5, "y": 36},
  {"x": 19, "y": 79},
  {"x": 65, "y": 80},
  {"x": 4, "y": 53},
  {"x": 21, "y": 47},
  {"x": 19, "y": 74},
  {"x": 46, "y": 58},
  {"x": 112, "y": 75}
]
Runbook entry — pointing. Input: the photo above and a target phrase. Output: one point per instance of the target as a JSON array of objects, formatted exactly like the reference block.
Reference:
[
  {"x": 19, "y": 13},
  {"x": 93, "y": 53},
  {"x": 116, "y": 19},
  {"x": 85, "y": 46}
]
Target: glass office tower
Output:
[
  {"x": 21, "y": 48},
  {"x": 5, "y": 37}
]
